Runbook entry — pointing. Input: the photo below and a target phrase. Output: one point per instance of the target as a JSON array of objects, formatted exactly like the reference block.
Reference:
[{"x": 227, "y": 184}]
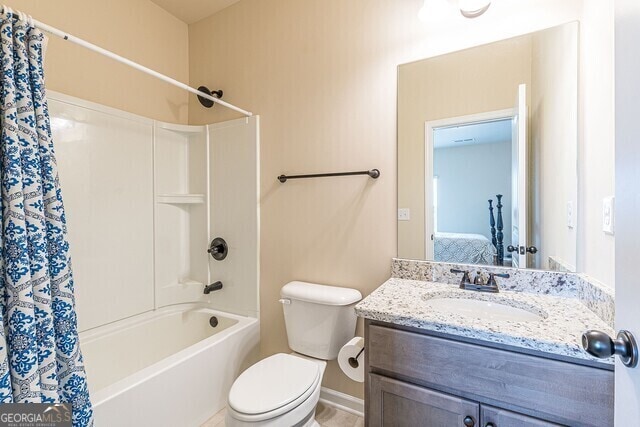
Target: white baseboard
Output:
[{"x": 342, "y": 401}]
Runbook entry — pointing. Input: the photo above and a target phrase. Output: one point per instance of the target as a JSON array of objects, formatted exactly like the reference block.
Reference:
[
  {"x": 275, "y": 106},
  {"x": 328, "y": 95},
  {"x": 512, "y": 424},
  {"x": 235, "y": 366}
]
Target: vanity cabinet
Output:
[
  {"x": 396, "y": 403},
  {"x": 420, "y": 378},
  {"x": 496, "y": 417}
]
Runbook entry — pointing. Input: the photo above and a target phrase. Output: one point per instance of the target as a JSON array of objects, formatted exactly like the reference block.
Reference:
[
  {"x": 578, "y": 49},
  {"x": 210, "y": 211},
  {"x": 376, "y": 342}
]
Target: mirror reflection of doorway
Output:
[
  {"x": 471, "y": 163},
  {"x": 540, "y": 72}
]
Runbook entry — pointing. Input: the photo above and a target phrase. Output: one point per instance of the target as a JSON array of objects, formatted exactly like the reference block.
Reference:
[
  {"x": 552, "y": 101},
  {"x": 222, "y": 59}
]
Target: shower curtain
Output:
[{"x": 40, "y": 359}]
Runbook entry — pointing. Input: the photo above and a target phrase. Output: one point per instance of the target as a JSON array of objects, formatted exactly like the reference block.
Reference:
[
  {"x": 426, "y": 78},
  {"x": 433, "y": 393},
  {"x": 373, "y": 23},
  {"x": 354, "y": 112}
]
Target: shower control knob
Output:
[
  {"x": 600, "y": 345},
  {"x": 218, "y": 249}
]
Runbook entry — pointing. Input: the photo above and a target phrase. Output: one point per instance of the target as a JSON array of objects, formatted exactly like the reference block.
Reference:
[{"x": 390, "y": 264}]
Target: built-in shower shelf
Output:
[
  {"x": 184, "y": 129},
  {"x": 179, "y": 199}
]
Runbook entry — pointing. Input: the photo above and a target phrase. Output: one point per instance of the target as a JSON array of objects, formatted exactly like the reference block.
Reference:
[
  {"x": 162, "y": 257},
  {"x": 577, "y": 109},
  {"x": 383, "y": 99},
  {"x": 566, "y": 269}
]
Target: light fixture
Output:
[{"x": 473, "y": 8}]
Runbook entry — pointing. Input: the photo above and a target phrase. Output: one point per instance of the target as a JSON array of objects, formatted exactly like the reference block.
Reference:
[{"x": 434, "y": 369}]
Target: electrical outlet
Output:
[
  {"x": 570, "y": 221},
  {"x": 608, "y": 214},
  {"x": 404, "y": 214}
]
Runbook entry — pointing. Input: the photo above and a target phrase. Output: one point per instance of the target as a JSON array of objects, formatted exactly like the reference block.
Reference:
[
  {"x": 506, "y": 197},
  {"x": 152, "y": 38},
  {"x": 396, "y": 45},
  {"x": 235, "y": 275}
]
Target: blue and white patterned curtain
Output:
[{"x": 40, "y": 359}]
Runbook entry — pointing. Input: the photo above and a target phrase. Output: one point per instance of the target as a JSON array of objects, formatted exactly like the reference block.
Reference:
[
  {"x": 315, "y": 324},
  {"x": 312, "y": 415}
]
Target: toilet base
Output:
[{"x": 311, "y": 421}]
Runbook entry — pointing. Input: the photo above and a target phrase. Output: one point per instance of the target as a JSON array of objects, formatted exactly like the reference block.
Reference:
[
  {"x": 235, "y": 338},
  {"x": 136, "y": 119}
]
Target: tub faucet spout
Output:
[{"x": 213, "y": 287}]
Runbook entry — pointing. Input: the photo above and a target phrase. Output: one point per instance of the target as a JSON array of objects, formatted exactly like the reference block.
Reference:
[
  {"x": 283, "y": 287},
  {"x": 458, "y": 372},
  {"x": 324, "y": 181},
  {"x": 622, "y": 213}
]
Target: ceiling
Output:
[
  {"x": 191, "y": 11},
  {"x": 475, "y": 133}
]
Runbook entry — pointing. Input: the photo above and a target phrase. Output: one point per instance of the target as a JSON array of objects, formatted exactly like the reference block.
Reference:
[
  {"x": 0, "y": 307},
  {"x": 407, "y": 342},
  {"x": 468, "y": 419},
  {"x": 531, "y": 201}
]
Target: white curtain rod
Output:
[{"x": 56, "y": 32}]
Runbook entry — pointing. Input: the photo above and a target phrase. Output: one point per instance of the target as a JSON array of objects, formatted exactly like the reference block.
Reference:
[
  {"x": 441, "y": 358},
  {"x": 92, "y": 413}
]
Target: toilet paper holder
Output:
[{"x": 353, "y": 361}]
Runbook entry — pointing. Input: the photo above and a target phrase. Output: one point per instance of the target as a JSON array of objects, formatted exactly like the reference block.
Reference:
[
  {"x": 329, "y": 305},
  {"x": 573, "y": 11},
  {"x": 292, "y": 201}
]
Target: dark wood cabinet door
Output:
[
  {"x": 495, "y": 417},
  {"x": 397, "y": 404},
  {"x": 548, "y": 389}
]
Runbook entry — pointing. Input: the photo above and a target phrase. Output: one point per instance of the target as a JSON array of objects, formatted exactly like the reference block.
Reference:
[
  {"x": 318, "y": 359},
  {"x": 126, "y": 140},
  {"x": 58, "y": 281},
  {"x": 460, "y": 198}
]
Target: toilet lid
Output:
[{"x": 272, "y": 383}]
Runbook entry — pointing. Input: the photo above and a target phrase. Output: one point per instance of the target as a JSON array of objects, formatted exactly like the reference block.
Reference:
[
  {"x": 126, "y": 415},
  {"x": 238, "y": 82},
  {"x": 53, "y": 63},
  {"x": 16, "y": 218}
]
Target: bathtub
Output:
[{"x": 168, "y": 367}]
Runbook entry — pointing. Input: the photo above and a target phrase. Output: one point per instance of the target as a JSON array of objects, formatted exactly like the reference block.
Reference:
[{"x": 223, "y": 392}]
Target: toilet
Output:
[{"x": 283, "y": 389}]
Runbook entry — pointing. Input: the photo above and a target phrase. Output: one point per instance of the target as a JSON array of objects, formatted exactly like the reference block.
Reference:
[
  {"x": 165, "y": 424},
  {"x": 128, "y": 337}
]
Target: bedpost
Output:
[
  {"x": 500, "y": 234},
  {"x": 492, "y": 223}
]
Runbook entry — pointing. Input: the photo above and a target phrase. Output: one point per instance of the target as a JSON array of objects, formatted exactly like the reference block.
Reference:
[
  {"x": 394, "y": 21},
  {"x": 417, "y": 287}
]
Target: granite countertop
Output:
[{"x": 405, "y": 302}]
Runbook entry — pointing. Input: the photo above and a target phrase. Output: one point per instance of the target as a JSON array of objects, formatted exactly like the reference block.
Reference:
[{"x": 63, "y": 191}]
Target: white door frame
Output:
[
  {"x": 429, "y": 127},
  {"x": 521, "y": 203}
]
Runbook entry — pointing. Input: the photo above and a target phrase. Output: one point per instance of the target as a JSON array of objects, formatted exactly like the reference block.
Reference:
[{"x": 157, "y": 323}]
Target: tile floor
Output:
[{"x": 326, "y": 416}]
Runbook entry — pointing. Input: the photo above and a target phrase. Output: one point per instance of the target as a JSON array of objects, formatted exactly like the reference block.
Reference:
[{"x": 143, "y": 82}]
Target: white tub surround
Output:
[
  {"x": 145, "y": 199},
  {"x": 168, "y": 367},
  {"x": 177, "y": 187}
]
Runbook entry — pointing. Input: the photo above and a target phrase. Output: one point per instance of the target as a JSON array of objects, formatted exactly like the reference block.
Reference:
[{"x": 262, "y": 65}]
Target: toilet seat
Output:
[{"x": 273, "y": 386}]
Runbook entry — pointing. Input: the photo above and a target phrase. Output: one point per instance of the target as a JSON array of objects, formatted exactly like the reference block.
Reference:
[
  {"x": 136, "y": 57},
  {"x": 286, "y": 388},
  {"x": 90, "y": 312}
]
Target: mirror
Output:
[{"x": 487, "y": 153}]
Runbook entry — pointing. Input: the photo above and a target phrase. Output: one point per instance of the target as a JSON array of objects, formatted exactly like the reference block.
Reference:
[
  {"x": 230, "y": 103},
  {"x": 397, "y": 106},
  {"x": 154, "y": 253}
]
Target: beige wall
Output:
[
  {"x": 554, "y": 143},
  {"x": 321, "y": 87},
  {"x": 596, "y": 151},
  {"x": 323, "y": 75},
  {"x": 477, "y": 80},
  {"x": 136, "y": 29}
]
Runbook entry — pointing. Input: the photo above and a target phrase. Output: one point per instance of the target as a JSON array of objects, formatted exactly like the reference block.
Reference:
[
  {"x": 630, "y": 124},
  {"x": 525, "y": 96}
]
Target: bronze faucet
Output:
[{"x": 479, "y": 284}]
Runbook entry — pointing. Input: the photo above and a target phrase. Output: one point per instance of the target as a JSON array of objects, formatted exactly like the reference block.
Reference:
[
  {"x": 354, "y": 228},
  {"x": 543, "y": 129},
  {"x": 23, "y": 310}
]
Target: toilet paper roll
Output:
[{"x": 351, "y": 359}]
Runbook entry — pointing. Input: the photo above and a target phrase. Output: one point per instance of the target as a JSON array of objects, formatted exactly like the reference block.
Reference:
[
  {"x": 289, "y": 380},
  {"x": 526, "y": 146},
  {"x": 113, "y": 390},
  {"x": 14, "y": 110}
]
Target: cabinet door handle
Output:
[
  {"x": 469, "y": 421},
  {"x": 489, "y": 425}
]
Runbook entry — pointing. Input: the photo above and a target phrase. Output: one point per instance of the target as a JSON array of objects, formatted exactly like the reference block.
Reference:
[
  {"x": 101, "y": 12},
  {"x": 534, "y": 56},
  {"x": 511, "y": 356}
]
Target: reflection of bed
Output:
[{"x": 463, "y": 248}]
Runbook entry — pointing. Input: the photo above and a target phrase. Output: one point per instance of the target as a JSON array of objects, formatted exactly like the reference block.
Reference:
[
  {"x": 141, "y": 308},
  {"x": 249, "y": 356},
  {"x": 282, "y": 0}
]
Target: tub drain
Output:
[{"x": 213, "y": 321}]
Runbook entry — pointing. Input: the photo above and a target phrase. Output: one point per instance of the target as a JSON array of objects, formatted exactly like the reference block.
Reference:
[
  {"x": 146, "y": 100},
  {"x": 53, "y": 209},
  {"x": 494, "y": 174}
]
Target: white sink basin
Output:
[{"x": 489, "y": 310}]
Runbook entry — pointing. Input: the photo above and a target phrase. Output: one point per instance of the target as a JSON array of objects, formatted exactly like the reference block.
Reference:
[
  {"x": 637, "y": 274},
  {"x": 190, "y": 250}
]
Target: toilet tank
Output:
[{"x": 319, "y": 319}]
